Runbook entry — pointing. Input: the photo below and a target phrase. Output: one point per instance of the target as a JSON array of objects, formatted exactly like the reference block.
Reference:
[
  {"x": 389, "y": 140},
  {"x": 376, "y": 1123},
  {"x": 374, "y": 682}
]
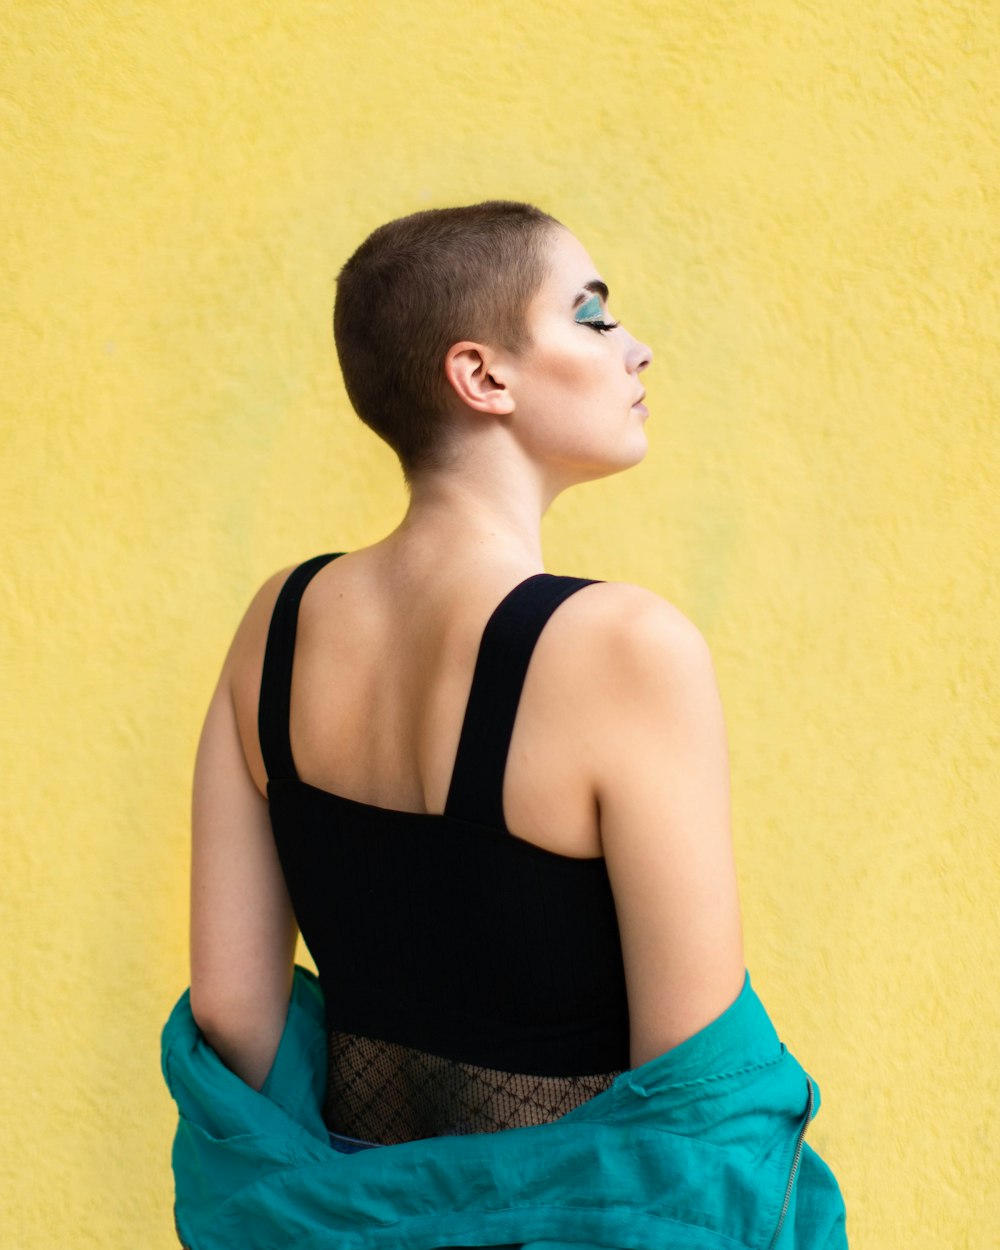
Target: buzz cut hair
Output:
[{"x": 416, "y": 286}]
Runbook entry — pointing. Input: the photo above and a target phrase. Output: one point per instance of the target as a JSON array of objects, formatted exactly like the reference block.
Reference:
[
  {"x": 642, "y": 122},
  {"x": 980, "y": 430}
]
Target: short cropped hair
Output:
[{"x": 415, "y": 287}]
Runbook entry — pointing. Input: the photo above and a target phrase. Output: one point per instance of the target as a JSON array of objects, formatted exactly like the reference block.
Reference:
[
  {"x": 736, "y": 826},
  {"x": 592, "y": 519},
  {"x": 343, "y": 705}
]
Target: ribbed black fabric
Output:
[{"x": 473, "y": 980}]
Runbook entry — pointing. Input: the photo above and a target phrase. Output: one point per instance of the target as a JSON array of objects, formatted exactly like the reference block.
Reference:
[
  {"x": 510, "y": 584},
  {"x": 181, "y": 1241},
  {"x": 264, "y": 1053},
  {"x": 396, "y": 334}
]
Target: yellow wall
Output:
[{"x": 792, "y": 204}]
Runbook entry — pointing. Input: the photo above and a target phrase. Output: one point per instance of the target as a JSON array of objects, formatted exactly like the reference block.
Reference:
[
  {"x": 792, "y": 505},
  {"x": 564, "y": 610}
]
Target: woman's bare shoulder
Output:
[
  {"x": 251, "y": 632},
  {"x": 624, "y": 625}
]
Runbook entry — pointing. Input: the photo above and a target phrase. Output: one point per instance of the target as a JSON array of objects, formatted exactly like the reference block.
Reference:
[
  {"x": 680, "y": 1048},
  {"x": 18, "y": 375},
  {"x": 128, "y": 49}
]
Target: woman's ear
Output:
[{"x": 476, "y": 376}]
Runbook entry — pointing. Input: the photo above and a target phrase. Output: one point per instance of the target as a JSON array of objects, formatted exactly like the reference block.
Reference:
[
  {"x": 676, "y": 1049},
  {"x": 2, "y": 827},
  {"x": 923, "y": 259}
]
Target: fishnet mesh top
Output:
[
  {"x": 400, "y": 1093},
  {"x": 473, "y": 981}
]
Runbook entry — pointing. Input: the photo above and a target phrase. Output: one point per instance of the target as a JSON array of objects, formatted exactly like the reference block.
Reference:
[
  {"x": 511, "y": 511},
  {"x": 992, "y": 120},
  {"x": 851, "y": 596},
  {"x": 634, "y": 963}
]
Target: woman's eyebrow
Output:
[{"x": 596, "y": 287}]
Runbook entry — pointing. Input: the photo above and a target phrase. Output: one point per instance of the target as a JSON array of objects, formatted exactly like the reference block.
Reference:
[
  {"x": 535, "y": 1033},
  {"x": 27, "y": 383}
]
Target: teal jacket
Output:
[{"x": 701, "y": 1148}]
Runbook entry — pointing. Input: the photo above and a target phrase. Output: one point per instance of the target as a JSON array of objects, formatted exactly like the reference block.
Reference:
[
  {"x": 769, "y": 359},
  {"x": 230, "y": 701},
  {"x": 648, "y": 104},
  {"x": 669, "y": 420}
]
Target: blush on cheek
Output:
[
  {"x": 559, "y": 370},
  {"x": 583, "y": 355}
]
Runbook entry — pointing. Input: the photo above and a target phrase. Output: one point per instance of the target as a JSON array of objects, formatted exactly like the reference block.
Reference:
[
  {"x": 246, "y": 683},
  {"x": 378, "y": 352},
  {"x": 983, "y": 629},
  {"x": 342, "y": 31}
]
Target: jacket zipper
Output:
[{"x": 794, "y": 1168}]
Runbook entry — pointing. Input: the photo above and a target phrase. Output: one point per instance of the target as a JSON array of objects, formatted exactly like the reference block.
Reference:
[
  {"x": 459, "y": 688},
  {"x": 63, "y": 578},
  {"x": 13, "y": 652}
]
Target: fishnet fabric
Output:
[{"x": 389, "y": 1093}]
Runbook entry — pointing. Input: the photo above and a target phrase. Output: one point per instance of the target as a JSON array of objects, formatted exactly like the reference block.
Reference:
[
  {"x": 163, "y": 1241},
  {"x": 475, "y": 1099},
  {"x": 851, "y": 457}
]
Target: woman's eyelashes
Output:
[{"x": 589, "y": 314}]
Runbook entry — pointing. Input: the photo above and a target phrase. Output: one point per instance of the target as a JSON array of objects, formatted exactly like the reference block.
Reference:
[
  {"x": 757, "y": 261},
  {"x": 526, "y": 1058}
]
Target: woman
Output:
[{"x": 495, "y": 800}]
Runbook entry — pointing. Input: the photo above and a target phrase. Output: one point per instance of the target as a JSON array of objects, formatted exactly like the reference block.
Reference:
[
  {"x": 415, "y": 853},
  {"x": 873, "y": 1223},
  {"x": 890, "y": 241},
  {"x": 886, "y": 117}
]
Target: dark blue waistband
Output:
[{"x": 350, "y": 1145}]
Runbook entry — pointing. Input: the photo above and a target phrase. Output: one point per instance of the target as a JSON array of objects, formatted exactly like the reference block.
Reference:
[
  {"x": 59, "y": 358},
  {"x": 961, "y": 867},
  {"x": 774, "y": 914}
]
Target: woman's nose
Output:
[{"x": 639, "y": 357}]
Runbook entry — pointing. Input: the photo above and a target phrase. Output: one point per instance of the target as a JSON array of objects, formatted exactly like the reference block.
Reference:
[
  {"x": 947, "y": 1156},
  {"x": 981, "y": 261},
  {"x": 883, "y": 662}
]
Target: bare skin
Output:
[{"x": 619, "y": 746}]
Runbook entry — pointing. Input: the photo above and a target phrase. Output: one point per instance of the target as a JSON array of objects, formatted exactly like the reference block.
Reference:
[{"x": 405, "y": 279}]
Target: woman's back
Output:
[
  {"x": 381, "y": 678},
  {"x": 617, "y": 749},
  {"x": 473, "y": 979}
]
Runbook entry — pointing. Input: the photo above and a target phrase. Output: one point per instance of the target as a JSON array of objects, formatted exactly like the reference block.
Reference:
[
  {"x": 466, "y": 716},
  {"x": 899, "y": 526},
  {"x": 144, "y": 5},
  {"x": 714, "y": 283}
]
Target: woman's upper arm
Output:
[
  {"x": 664, "y": 803},
  {"x": 243, "y": 930}
]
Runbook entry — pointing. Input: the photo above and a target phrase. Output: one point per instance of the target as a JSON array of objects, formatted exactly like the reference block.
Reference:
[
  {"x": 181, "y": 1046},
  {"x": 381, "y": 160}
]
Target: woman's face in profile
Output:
[{"x": 577, "y": 388}]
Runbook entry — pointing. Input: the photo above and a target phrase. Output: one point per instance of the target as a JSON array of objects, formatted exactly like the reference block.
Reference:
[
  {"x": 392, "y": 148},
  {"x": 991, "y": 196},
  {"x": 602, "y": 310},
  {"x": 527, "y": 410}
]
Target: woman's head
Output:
[{"x": 414, "y": 288}]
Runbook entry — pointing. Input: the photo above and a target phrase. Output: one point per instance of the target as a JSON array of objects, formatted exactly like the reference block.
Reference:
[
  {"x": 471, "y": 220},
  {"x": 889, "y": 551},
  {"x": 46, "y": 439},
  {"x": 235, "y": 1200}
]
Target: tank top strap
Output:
[
  {"x": 276, "y": 677},
  {"x": 476, "y": 790}
]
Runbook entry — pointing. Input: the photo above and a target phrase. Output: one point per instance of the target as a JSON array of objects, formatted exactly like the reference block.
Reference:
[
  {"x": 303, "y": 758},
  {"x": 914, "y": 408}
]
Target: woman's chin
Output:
[{"x": 639, "y": 446}]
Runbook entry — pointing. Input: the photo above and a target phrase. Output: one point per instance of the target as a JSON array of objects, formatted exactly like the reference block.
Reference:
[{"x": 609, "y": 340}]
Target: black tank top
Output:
[{"x": 473, "y": 981}]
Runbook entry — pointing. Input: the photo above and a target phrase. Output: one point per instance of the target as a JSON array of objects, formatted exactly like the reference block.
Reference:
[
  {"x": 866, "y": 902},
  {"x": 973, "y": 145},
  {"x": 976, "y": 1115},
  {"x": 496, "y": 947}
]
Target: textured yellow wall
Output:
[{"x": 792, "y": 203}]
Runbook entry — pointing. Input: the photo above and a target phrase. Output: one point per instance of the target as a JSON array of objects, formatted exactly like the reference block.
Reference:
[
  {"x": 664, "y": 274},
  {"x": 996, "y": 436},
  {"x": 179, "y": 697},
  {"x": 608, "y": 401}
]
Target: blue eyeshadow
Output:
[{"x": 590, "y": 311}]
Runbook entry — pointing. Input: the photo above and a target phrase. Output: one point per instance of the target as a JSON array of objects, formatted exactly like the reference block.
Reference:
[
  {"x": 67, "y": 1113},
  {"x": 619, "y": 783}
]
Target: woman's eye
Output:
[{"x": 589, "y": 314}]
